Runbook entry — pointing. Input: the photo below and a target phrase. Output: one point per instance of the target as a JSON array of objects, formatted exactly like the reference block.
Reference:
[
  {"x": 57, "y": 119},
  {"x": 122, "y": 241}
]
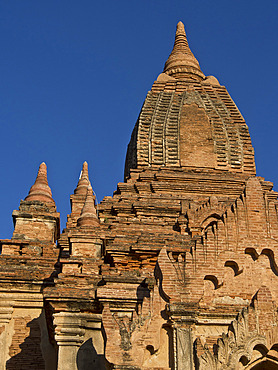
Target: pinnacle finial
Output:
[
  {"x": 83, "y": 182},
  {"x": 181, "y": 63},
  {"x": 88, "y": 215},
  {"x": 180, "y": 30},
  {"x": 41, "y": 190},
  {"x": 180, "y": 27},
  {"x": 85, "y": 169}
]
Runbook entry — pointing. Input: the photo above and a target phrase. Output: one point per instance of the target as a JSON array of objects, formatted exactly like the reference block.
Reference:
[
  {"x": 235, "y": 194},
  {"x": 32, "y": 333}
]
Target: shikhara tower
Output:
[{"x": 178, "y": 270}]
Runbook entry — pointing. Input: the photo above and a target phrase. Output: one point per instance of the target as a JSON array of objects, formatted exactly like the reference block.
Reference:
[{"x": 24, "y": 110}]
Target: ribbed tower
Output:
[{"x": 189, "y": 121}]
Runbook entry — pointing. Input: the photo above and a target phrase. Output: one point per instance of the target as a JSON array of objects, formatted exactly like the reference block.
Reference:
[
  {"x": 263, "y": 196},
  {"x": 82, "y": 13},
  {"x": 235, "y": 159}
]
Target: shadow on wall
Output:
[
  {"x": 88, "y": 359},
  {"x": 26, "y": 355}
]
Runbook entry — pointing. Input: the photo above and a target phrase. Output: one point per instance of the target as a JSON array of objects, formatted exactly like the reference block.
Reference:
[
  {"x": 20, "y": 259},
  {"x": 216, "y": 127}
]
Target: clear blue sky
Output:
[{"x": 74, "y": 75}]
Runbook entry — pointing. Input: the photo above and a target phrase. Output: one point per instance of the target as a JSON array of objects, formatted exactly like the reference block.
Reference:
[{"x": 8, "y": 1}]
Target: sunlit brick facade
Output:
[{"x": 176, "y": 271}]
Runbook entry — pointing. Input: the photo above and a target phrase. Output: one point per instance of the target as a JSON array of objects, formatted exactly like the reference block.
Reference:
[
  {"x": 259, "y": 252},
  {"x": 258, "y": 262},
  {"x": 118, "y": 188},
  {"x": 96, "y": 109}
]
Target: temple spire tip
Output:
[
  {"x": 180, "y": 26},
  {"x": 181, "y": 63},
  {"x": 88, "y": 215},
  {"x": 40, "y": 190},
  {"x": 83, "y": 180}
]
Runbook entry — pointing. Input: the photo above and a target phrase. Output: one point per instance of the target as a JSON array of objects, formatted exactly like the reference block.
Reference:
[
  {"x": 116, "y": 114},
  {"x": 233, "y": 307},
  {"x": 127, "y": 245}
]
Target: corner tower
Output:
[{"x": 189, "y": 121}]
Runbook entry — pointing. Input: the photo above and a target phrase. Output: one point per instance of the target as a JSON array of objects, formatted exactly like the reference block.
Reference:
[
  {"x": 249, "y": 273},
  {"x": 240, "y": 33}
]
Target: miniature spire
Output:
[
  {"x": 88, "y": 215},
  {"x": 41, "y": 190},
  {"x": 83, "y": 182},
  {"x": 181, "y": 63}
]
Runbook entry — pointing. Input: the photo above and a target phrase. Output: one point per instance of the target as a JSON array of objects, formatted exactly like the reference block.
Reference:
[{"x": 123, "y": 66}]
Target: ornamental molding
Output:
[{"x": 233, "y": 347}]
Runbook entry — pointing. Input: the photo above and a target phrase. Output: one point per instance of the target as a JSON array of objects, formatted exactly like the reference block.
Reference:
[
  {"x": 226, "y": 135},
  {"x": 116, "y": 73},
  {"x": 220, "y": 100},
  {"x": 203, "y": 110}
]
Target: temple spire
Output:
[
  {"x": 83, "y": 182},
  {"x": 88, "y": 215},
  {"x": 181, "y": 63},
  {"x": 40, "y": 190}
]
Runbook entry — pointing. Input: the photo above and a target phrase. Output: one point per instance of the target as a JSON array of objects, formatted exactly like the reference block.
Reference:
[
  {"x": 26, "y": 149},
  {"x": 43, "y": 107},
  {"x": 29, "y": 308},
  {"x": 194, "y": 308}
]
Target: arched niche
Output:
[
  {"x": 196, "y": 141},
  {"x": 265, "y": 364}
]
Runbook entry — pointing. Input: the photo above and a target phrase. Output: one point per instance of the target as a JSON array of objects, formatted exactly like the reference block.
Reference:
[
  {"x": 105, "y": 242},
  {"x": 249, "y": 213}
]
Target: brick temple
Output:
[{"x": 178, "y": 270}]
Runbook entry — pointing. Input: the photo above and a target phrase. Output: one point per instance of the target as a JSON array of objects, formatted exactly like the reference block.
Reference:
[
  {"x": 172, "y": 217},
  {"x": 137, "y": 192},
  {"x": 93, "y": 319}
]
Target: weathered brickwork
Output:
[
  {"x": 25, "y": 351},
  {"x": 178, "y": 270}
]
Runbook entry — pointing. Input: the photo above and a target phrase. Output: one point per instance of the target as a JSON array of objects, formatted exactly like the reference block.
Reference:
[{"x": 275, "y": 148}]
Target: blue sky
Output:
[{"x": 74, "y": 75}]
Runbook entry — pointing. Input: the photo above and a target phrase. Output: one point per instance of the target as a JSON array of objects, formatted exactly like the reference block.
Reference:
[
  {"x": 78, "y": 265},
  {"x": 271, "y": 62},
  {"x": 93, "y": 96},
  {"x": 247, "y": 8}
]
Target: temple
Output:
[{"x": 176, "y": 271}]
